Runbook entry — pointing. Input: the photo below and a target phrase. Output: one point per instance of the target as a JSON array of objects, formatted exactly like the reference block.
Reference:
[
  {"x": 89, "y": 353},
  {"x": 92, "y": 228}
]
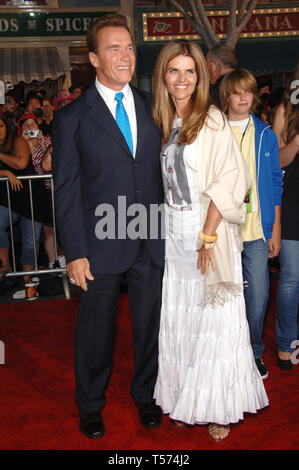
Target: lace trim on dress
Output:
[{"x": 219, "y": 294}]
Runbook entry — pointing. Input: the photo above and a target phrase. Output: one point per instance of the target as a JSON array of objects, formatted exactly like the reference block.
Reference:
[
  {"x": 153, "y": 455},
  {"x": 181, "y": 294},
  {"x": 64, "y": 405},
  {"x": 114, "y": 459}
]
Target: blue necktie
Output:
[{"x": 122, "y": 120}]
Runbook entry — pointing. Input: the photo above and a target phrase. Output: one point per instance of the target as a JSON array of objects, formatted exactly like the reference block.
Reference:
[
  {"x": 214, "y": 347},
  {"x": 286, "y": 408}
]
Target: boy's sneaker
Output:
[{"x": 262, "y": 368}]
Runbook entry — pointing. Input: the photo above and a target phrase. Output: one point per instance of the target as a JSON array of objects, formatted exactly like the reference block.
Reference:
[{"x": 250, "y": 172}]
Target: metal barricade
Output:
[{"x": 35, "y": 271}]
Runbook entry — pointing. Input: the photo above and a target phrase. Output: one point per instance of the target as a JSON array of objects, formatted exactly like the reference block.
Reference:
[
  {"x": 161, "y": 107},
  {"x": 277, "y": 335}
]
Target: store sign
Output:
[
  {"x": 272, "y": 22},
  {"x": 47, "y": 24}
]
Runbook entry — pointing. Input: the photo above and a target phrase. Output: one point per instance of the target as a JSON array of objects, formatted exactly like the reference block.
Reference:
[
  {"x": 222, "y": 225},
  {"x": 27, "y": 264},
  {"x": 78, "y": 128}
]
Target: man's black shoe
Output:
[
  {"x": 150, "y": 415},
  {"x": 91, "y": 425}
]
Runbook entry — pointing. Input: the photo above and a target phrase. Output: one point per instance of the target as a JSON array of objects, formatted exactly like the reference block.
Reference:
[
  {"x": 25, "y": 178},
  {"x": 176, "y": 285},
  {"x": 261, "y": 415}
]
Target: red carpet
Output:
[{"x": 37, "y": 406}]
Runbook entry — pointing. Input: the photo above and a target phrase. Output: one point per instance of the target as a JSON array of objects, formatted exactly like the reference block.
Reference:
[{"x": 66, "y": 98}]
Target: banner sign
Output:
[{"x": 269, "y": 22}]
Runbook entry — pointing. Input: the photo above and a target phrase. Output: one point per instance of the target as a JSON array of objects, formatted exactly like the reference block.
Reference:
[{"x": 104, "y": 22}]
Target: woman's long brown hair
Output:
[
  {"x": 8, "y": 143},
  {"x": 164, "y": 109}
]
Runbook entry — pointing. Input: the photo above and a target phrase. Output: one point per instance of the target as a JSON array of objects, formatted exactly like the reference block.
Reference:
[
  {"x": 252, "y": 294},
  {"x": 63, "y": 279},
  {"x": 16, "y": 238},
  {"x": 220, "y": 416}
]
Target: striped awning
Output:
[{"x": 28, "y": 64}]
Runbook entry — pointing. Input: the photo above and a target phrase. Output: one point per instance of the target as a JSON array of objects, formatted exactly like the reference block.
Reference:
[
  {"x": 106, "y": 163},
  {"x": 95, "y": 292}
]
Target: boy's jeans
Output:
[{"x": 256, "y": 290}]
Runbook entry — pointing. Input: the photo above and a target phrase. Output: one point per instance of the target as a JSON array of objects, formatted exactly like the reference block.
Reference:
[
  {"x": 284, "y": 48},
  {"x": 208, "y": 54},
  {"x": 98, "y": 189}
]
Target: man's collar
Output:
[{"x": 108, "y": 92}]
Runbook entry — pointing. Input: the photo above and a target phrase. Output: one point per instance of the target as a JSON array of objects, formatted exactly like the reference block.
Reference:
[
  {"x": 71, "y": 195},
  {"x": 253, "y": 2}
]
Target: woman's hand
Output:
[
  {"x": 274, "y": 245},
  {"x": 205, "y": 259},
  {"x": 26, "y": 136},
  {"x": 41, "y": 141},
  {"x": 275, "y": 240},
  {"x": 46, "y": 162},
  {"x": 15, "y": 183},
  {"x": 32, "y": 143}
]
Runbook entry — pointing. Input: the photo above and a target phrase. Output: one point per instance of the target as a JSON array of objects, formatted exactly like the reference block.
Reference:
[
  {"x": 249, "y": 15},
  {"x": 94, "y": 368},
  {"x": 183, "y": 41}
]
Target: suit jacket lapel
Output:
[
  {"x": 142, "y": 120},
  {"x": 100, "y": 113}
]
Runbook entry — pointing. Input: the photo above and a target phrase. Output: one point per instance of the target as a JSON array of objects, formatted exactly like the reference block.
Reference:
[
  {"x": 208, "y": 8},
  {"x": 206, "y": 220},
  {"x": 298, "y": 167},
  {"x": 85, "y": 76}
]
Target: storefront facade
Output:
[{"x": 43, "y": 43}]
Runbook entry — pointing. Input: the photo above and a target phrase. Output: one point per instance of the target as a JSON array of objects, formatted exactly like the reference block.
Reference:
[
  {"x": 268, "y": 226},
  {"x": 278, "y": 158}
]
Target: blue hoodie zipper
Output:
[{"x": 258, "y": 176}]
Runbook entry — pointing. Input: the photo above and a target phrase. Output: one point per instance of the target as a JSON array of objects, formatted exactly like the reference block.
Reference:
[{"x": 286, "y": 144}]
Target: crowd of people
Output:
[
  {"x": 26, "y": 148},
  {"x": 226, "y": 152}
]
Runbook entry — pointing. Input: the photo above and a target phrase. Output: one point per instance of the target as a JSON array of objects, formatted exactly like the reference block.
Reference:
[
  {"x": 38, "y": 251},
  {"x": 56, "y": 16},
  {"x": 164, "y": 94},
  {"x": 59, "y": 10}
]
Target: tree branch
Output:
[
  {"x": 198, "y": 27},
  {"x": 200, "y": 23},
  {"x": 196, "y": 24},
  {"x": 241, "y": 24},
  {"x": 206, "y": 24},
  {"x": 232, "y": 22},
  {"x": 242, "y": 8}
]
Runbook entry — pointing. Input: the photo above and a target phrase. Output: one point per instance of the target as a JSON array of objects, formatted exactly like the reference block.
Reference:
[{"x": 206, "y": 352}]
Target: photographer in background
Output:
[
  {"x": 30, "y": 131},
  {"x": 40, "y": 150}
]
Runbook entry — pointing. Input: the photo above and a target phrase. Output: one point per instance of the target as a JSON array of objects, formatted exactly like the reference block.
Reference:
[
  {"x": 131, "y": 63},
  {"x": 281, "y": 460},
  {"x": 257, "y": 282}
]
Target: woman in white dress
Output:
[{"x": 207, "y": 372}]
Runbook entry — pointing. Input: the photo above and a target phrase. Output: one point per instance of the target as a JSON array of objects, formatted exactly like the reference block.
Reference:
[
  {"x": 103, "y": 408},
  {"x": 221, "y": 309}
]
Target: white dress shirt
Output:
[{"x": 108, "y": 96}]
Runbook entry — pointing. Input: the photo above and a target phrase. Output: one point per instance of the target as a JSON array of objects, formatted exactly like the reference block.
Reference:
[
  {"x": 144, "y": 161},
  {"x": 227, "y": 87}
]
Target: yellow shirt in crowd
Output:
[{"x": 252, "y": 228}]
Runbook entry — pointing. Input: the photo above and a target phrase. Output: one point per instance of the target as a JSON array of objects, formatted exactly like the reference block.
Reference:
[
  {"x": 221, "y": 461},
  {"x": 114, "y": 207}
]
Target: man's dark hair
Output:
[
  {"x": 74, "y": 87},
  {"x": 13, "y": 94},
  {"x": 107, "y": 20},
  {"x": 225, "y": 54},
  {"x": 32, "y": 94}
]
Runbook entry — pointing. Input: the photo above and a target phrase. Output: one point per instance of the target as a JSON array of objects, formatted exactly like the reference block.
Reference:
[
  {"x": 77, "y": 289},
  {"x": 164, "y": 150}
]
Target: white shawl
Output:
[{"x": 224, "y": 178}]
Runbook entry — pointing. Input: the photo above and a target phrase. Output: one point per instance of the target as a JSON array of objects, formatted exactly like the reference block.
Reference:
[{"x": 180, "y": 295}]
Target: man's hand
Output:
[{"x": 79, "y": 270}]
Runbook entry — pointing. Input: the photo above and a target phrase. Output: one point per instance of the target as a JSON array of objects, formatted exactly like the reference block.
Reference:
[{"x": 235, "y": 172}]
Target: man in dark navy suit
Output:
[{"x": 106, "y": 154}]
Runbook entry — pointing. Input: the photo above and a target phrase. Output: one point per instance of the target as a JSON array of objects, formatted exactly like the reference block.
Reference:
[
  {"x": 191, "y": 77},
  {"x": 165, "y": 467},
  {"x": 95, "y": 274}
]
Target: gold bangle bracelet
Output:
[{"x": 208, "y": 238}]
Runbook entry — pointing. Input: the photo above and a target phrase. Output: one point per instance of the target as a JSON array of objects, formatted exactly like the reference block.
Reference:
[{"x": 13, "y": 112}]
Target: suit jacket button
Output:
[{"x": 138, "y": 192}]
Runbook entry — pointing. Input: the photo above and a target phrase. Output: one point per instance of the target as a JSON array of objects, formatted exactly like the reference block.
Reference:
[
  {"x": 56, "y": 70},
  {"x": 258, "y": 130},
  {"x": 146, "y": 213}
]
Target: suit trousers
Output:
[{"x": 95, "y": 332}]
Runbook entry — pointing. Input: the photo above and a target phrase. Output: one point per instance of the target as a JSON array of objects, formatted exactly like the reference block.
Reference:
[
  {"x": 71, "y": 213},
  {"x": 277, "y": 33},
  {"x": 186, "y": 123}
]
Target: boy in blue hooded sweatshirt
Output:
[{"x": 261, "y": 232}]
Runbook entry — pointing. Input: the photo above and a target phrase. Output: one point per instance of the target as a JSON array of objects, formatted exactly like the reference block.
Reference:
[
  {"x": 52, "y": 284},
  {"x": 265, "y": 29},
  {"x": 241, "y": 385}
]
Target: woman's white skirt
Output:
[{"x": 207, "y": 371}]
